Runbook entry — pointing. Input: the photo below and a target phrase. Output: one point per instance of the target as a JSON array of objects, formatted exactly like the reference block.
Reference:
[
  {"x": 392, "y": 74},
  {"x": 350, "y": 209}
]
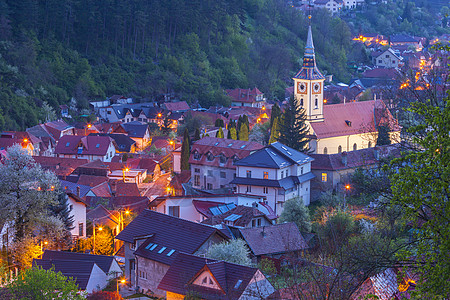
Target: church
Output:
[{"x": 336, "y": 128}]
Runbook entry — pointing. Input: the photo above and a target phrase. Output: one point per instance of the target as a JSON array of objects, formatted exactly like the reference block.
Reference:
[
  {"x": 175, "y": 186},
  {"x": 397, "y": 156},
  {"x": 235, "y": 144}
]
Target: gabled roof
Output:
[
  {"x": 102, "y": 190},
  {"x": 171, "y": 232},
  {"x": 177, "y": 106},
  {"x": 103, "y": 216},
  {"x": 103, "y": 261},
  {"x": 91, "y": 180},
  {"x": 402, "y": 38},
  {"x": 275, "y": 239},
  {"x": 347, "y": 119},
  {"x": 123, "y": 141},
  {"x": 90, "y": 145},
  {"x": 186, "y": 268},
  {"x": 385, "y": 73},
  {"x": 58, "y": 165},
  {"x": 84, "y": 189},
  {"x": 56, "y": 127},
  {"x": 244, "y": 95},
  {"x": 80, "y": 271},
  {"x": 274, "y": 156}
]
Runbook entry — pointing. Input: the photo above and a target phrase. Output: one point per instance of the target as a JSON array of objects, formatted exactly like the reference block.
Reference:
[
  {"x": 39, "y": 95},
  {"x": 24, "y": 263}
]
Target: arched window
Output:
[
  {"x": 325, "y": 150},
  {"x": 301, "y": 102},
  {"x": 370, "y": 144},
  {"x": 339, "y": 149},
  {"x": 355, "y": 147}
]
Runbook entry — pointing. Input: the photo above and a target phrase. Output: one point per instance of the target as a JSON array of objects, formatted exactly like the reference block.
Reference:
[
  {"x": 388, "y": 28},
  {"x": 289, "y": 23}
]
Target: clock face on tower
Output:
[
  {"x": 301, "y": 88},
  {"x": 316, "y": 88}
]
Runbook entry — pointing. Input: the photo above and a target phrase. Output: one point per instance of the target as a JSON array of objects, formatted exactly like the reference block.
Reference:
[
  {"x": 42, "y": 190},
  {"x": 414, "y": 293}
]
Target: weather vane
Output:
[{"x": 309, "y": 12}]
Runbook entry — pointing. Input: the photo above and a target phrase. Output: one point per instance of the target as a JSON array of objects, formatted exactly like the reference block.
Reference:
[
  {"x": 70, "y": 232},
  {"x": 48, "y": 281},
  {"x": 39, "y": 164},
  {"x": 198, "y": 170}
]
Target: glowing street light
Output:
[
  {"x": 126, "y": 169},
  {"x": 122, "y": 281},
  {"x": 347, "y": 188}
]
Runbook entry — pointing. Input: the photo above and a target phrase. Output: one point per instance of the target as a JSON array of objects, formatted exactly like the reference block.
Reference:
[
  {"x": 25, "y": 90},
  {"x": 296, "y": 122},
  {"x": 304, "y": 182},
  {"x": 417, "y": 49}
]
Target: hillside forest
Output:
[{"x": 72, "y": 51}]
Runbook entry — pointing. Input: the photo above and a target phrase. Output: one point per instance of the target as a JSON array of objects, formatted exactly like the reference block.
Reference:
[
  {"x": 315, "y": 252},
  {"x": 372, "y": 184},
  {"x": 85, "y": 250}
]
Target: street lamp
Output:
[
  {"x": 123, "y": 173},
  {"x": 122, "y": 281},
  {"x": 121, "y": 219},
  {"x": 347, "y": 188},
  {"x": 100, "y": 229},
  {"x": 88, "y": 126}
]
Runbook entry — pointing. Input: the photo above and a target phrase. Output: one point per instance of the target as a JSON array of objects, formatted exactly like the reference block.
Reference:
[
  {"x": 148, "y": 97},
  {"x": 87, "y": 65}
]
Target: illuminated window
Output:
[
  {"x": 266, "y": 175},
  {"x": 324, "y": 177},
  {"x": 249, "y": 174}
]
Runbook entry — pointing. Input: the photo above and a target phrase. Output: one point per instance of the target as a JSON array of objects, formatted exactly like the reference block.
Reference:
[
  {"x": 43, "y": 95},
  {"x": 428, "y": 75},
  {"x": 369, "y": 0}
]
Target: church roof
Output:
[
  {"x": 351, "y": 118},
  {"x": 309, "y": 70}
]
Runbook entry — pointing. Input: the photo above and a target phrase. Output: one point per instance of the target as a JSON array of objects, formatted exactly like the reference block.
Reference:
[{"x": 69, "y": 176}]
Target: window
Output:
[
  {"x": 209, "y": 156},
  {"x": 196, "y": 180},
  {"x": 380, "y": 61},
  {"x": 174, "y": 211},
  {"x": 324, "y": 177},
  {"x": 393, "y": 61},
  {"x": 370, "y": 144},
  {"x": 253, "y": 223},
  {"x": 249, "y": 174},
  {"x": 235, "y": 158},
  {"x": 339, "y": 149},
  {"x": 249, "y": 188},
  {"x": 282, "y": 174},
  {"x": 387, "y": 55},
  {"x": 259, "y": 222},
  {"x": 209, "y": 186},
  {"x": 197, "y": 170},
  {"x": 325, "y": 150},
  {"x": 197, "y": 155},
  {"x": 80, "y": 229},
  {"x": 301, "y": 102},
  {"x": 265, "y": 190},
  {"x": 222, "y": 159},
  {"x": 265, "y": 175},
  {"x": 223, "y": 175},
  {"x": 316, "y": 103},
  {"x": 301, "y": 171},
  {"x": 162, "y": 250},
  {"x": 287, "y": 172},
  {"x": 355, "y": 147}
]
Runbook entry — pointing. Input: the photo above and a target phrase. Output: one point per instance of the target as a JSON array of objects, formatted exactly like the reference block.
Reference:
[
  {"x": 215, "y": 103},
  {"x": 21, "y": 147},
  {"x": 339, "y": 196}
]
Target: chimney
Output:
[
  {"x": 376, "y": 153},
  {"x": 344, "y": 158},
  {"x": 78, "y": 191}
]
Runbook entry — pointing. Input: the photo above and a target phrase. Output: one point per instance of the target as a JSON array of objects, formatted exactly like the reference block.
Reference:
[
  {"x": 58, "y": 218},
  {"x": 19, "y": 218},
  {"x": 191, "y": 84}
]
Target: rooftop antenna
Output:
[{"x": 309, "y": 13}]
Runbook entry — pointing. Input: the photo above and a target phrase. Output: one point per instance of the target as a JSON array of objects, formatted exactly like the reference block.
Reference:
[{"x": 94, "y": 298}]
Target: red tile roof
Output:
[
  {"x": 244, "y": 95},
  {"x": 276, "y": 239},
  {"x": 102, "y": 190},
  {"x": 217, "y": 146},
  {"x": 177, "y": 106},
  {"x": 382, "y": 73},
  {"x": 120, "y": 188},
  {"x": 92, "y": 145},
  {"x": 60, "y": 166},
  {"x": 186, "y": 268},
  {"x": 91, "y": 180},
  {"x": 359, "y": 114}
]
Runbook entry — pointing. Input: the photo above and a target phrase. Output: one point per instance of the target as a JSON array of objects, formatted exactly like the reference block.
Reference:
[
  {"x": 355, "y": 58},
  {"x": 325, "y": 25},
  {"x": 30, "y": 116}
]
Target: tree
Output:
[
  {"x": 48, "y": 112},
  {"x": 293, "y": 129},
  {"x": 185, "y": 151},
  {"x": 219, "y": 123},
  {"x": 25, "y": 250},
  {"x": 104, "y": 241},
  {"x": 165, "y": 127},
  {"x": 40, "y": 284},
  {"x": 243, "y": 132},
  {"x": 383, "y": 135},
  {"x": 26, "y": 193},
  {"x": 62, "y": 211},
  {"x": 420, "y": 187},
  {"x": 219, "y": 133},
  {"x": 274, "y": 132},
  {"x": 275, "y": 114},
  {"x": 337, "y": 230},
  {"x": 197, "y": 134},
  {"x": 295, "y": 211},
  {"x": 234, "y": 251},
  {"x": 232, "y": 133}
]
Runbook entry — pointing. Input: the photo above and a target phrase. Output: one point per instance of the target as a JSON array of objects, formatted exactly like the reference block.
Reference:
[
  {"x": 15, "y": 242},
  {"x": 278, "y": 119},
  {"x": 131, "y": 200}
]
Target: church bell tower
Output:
[{"x": 308, "y": 84}]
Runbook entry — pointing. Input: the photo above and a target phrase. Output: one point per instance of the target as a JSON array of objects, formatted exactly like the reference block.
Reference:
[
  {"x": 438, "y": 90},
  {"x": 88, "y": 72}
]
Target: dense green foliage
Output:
[
  {"x": 185, "y": 151},
  {"x": 293, "y": 129},
  {"x": 295, "y": 211},
  {"x": 54, "y": 50}
]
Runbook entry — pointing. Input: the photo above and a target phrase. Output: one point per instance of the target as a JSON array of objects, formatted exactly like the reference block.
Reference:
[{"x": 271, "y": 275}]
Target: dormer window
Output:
[
  {"x": 235, "y": 159},
  {"x": 222, "y": 159},
  {"x": 197, "y": 155},
  {"x": 209, "y": 156}
]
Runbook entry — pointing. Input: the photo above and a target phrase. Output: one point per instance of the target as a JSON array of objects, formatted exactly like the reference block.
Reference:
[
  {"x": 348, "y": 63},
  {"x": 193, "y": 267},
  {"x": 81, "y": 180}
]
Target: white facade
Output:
[
  {"x": 387, "y": 59},
  {"x": 79, "y": 216},
  {"x": 133, "y": 175},
  {"x": 105, "y": 158},
  {"x": 97, "y": 280}
]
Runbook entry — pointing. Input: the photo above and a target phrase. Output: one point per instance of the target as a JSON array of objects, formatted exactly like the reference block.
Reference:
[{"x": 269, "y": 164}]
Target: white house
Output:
[
  {"x": 78, "y": 211},
  {"x": 277, "y": 172},
  {"x": 387, "y": 59}
]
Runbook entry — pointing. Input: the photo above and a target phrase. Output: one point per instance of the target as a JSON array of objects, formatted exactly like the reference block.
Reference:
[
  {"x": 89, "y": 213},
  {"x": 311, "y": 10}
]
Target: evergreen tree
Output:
[
  {"x": 219, "y": 123},
  {"x": 219, "y": 133},
  {"x": 233, "y": 134},
  {"x": 197, "y": 134},
  {"x": 246, "y": 122},
  {"x": 295, "y": 211},
  {"x": 229, "y": 133},
  {"x": 165, "y": 128},
  {"x": 276, "y": 113},
  {"x": 238, "y": 124},
  {"x": 63, "y": 211},
  {"x": 383, "y": 135},
  {"x": 243, "y": 133},
  {"x": 274, "y": 132},
  {"x": 185, "y": 151},
  {"x": 293, "y": 129}
]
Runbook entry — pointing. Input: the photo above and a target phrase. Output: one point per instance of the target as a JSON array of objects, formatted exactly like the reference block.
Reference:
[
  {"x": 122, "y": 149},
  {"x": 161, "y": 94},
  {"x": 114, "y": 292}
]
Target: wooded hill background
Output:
[{"x": 53, "y": 50}]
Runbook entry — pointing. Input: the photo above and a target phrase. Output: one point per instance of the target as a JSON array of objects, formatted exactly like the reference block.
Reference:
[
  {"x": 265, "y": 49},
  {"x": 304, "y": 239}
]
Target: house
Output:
[
  {"x": 151, "y": 242},
  {"x": 331, "y": 170},
  {"x": 333, "y": 6},
  {"x": 139, "y": 132},
  {"x": 386, "y": 59},
  {"x": 405, "y": 40},
  {"x": 211, "y": 279},
  {"x": 78, "y": 213},
  {"x": 336, "y": 128},
  {"x": 87, "y": 274},
  {"x": 124, "y": 143},
  {"x": 241, "y": 216},
  {"x": 28, "y": 141},
  {"x": 176, "y": 159},
  {"x": 275, "y": 241},
  {"x": 178, "y": 181},
  {"x": 176, "y": 107},
  {"x": 125, "y": 113},
  {"x": 108, "y": 264},
  {"x": 129, "y": 175},
  {"x": 212, "y": 160},
  {"x": 62, "y": 167},
  {"x": 277, "y": 172},
  {"x": 192, "y": 207},
  {"x": 87, "y": 147},
  {"x": 246, "y": 97},
  {"x": 74, "y": 188},
  {"x": 100, "y": 216}
]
